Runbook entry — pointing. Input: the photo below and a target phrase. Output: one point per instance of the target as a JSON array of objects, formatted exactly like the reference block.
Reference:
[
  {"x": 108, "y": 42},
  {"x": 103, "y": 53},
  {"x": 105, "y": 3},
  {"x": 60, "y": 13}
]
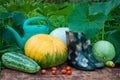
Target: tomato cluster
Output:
[{"x": 67, "y": 70}]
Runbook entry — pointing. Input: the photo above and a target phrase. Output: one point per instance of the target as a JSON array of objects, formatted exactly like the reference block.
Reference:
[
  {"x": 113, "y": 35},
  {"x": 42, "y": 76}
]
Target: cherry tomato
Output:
[
  {"x": 43, "y": 71},
  {"x": 69, "y": 72},
  {"x": 54, "y": 69},
  {"x": 63, "y": 71},
  {"x": 54, "y": 72},
  {"x": 68, "y": 68}
]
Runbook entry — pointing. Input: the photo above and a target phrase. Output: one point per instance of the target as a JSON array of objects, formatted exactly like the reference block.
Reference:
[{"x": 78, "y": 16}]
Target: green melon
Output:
[{"x": 103, "y": 51}]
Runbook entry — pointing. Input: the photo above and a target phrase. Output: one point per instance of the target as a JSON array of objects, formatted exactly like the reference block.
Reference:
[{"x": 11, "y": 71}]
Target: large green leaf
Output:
[
  {"x": 90, "y": 18},
  {"x": 103, "y": 7},
  {"x": 79, "y": 20},
  {"x": 115, "y": 39},
  {"x": 17, "y": 18}
]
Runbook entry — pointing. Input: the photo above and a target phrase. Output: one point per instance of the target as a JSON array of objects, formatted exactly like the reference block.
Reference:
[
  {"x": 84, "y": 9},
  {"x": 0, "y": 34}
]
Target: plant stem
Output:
[
  {"x": 103, "y": 33},
  {"x": 97, "y": 37}
]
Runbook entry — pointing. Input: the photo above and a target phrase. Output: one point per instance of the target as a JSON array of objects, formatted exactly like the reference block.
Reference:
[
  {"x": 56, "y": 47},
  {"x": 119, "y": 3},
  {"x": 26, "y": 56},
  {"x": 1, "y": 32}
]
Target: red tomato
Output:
[
  {"x": 43, "y": 71},
  {"x": 54, "y": 69},
  {"x": 69, "y": 72},
  {"x": 68, "y": 68},
  {"x": 54, "y": 72},
  {"x": 63, "y": 71}
]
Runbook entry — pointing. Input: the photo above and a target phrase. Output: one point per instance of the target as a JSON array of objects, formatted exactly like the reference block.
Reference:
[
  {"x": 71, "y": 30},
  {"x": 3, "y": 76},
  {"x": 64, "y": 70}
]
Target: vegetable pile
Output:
[{"x": 99, "y": 21}]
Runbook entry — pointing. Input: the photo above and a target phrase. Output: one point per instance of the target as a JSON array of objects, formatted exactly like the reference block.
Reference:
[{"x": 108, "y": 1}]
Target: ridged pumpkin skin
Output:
[{"x": 46, "y": 50}]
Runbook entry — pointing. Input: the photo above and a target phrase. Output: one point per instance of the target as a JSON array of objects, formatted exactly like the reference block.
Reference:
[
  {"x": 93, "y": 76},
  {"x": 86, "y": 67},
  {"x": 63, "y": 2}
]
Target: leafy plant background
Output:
[
  {"x": 15, "y": 12},
  {"x": 98, "y": 20}
]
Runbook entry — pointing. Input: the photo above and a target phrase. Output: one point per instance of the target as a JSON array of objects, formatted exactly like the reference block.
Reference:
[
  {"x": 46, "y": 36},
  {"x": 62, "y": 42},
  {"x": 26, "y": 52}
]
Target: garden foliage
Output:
[{"x": 98, "y": 20}]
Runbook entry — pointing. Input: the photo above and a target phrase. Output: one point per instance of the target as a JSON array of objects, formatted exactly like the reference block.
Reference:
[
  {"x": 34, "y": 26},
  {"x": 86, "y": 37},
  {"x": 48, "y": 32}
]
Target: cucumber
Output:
[{"x": 19, "y": 62}]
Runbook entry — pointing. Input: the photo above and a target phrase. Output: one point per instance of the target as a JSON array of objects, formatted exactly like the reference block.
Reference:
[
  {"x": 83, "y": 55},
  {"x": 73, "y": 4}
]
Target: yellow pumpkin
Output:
[{"x": 46, "y": 50}]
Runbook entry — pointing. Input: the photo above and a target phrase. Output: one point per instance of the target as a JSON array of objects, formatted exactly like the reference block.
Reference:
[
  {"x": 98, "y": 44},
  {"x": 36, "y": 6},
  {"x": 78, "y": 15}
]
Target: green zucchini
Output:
[{"x": 19, "y": 62}]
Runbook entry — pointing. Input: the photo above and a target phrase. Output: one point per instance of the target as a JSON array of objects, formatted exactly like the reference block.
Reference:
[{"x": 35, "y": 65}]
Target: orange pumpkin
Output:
[{"x": 46, "y": 50}]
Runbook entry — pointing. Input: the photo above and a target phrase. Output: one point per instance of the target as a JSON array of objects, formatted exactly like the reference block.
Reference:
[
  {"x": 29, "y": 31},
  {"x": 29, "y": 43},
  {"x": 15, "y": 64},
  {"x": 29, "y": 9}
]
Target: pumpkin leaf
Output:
[
  {"x": 90, "y": 19},
  {"x": 103, "y": 7},
  {"x": 79, "y": 20},
  {"x": 115, "y": 39},
  {"x": 17, "y": 18}
]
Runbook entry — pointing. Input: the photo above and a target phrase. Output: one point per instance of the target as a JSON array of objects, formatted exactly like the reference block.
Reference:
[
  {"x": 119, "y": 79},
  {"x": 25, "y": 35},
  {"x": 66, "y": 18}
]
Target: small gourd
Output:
[{"x": 110, "y": 64}]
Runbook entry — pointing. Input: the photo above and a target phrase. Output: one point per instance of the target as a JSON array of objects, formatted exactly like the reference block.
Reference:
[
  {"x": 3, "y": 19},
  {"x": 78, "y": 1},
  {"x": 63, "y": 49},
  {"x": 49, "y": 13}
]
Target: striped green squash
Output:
[{"x": 19, "y": 62}]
